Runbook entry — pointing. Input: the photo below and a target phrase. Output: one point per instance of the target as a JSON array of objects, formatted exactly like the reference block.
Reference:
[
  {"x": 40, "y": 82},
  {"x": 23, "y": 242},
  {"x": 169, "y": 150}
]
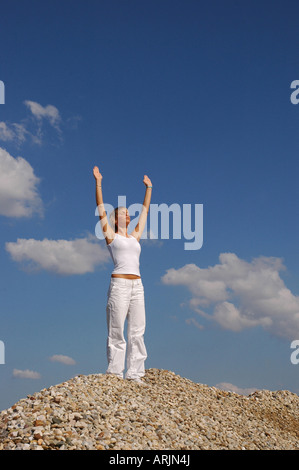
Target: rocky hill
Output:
[{"x": 170, "y": 412}]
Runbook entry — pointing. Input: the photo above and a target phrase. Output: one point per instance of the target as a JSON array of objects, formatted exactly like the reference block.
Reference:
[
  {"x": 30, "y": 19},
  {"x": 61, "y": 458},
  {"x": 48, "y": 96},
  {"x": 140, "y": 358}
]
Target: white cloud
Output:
[
  {"x": 63, "y": 359},
  {"x": 5, "y": 132},
  {"x": 31, "y": 127},
  {"x": 48, "y": 112},
  {"x": 18, "y": 187},
  {"x": 64, "y": 257},
  {"x": 16, "y": 132},
  {"x": 233, "y": 388},
  {"x": 40, "y": 114},
  {"x": 237, "y": 294},
  {"x": 194, "y": 322},
  {"x": 26, "y": 374}
]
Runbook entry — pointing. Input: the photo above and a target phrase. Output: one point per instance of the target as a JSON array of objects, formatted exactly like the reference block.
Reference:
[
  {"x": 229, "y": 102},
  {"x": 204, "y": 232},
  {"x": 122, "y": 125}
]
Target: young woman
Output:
[{"x": 125, "y": 297}]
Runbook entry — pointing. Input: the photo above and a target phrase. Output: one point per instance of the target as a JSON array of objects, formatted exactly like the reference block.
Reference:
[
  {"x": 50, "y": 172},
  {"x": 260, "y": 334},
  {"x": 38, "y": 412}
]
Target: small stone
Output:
[
  {"x": 103, "y": 412},
  {"x": 39, "y": 422},
  {"x": 56, "y": 420},
  {"x": 37, "y": 435}
]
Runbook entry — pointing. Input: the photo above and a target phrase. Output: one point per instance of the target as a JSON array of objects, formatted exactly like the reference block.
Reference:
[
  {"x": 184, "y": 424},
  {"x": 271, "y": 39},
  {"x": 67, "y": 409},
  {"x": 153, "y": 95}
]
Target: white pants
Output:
[{"x": 126, "y": 301}]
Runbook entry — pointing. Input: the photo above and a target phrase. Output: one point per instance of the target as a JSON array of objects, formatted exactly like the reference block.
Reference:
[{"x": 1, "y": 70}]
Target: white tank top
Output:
[{"x": 125, "y": 253}]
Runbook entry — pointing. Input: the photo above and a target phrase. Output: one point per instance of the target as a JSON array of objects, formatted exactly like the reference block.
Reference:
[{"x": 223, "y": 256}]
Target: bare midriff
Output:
[{"x": 126, "y": 276}]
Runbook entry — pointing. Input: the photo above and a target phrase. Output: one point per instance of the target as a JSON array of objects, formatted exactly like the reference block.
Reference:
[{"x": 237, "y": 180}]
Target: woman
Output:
[{"x": 126, "y": 292}]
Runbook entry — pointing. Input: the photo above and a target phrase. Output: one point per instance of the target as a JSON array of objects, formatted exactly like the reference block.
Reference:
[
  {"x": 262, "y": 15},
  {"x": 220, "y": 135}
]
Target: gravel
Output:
[{"x": 166, "y": 411}]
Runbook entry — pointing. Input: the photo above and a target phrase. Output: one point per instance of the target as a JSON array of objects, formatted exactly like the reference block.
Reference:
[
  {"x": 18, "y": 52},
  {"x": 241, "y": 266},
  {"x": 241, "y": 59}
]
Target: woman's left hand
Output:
[{"x": 147, "y": 181}]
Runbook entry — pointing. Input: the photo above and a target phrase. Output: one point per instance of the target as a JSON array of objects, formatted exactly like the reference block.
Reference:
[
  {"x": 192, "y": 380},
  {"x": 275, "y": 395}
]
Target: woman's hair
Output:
[{"x": 113, "y": 216}]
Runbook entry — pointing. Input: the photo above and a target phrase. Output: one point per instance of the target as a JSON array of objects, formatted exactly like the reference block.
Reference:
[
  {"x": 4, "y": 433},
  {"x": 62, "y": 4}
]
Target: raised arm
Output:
[
  {"x": 138, "y": 230},
  {"x": 108, "y": 232}
]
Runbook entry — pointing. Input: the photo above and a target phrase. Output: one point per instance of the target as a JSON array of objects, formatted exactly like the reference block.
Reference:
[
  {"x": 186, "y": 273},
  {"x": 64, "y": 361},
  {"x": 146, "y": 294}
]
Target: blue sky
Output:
[{"x": 197, "y": 96}]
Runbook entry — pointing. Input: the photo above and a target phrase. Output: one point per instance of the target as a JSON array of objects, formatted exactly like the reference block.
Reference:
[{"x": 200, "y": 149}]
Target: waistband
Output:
[{"x": 126, "y": 282}]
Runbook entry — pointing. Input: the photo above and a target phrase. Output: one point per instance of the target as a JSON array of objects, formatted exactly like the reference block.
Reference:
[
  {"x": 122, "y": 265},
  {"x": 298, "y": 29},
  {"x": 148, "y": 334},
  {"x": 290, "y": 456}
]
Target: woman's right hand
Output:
[{"x": 97, "y": 174}]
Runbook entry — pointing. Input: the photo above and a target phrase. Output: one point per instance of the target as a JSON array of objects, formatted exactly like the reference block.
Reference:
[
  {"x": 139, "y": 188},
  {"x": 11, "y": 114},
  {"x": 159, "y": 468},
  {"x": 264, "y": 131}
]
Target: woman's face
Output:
[{"x": 123, "y": 218}]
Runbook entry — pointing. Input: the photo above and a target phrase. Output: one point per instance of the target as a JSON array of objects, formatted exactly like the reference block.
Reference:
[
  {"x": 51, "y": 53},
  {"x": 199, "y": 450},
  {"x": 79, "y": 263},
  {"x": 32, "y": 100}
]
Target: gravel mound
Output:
[{"x": 103, "y": 412}]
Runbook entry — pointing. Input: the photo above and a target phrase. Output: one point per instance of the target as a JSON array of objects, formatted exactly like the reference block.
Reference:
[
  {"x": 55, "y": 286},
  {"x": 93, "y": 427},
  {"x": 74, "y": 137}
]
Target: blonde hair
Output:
[{"x": 113, "y": 216}]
